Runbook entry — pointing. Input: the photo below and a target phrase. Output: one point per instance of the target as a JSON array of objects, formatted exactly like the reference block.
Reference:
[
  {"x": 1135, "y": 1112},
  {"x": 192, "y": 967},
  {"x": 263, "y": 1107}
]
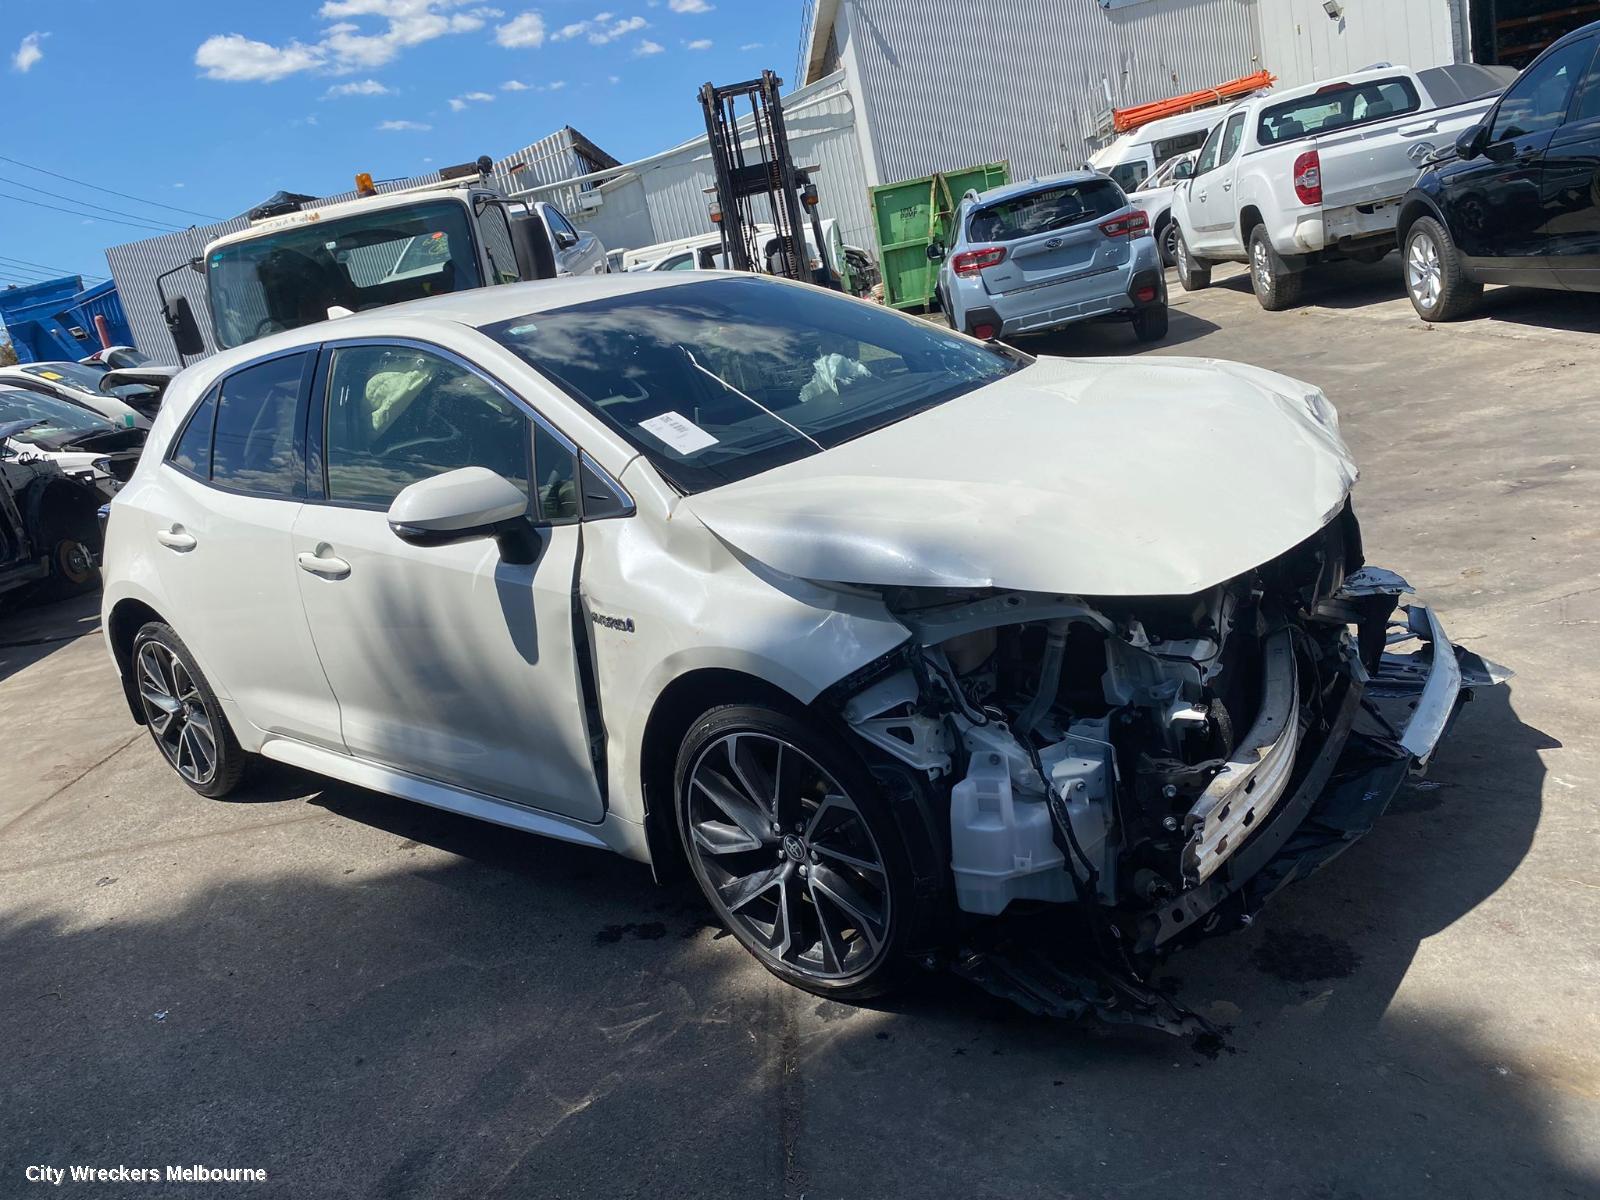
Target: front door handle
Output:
[
  {"x": 176, "y": 539},
  {"x": 1527, "y": 154},
  {"x": 323, "y": 563},
  {"x": 1419, "y": 128}
]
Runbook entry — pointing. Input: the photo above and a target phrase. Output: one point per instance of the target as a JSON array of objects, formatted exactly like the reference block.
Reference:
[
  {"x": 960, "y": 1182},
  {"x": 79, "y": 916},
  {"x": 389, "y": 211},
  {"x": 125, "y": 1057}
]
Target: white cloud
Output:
[
  {"x": 690, "y": 6},
  {"x": 367, "y": 87},
  {"x": 698, "y": 44},
  {"x": 179, "y": 185},
  {"x": 28, "y": 53},
  {"x": 344, "y": 46},
  {"x": 525, "y": 32},
  {"x": 646, "y": 48},
  {"x": 403, "y": 127},
  {"x": 460, "y": 102},
  {"x": 613, "y": 78},
  {"x": 513, "y": 85},
  {"x": 234, "y": 58},
  {"x": 557, "y": 84},
  {"x": 600, "y": 28},
  {"x": 752, "y": 46}
]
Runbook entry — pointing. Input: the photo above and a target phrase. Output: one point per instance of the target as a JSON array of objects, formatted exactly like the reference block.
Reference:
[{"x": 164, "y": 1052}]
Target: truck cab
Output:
[{"x": 300, "y": 262}]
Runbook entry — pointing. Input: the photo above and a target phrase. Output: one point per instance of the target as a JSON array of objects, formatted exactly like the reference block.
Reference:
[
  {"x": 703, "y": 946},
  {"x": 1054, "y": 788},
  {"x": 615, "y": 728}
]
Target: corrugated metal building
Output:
[
  {"x": 665, "y": 196},
  {"x": 1033, "y": 82},
  {"x": 135, "y": 266},
  {"x": 1301, "y": 43}
]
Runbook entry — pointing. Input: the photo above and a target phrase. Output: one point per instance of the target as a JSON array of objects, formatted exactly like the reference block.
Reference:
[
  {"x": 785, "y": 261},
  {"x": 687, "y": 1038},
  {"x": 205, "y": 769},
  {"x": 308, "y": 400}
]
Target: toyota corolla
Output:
[{"x": 887, "y": 634}]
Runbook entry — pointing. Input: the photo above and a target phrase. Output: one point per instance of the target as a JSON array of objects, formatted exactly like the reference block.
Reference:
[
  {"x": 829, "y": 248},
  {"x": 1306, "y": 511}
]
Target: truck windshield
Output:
[
  {"x": 717, "y": 380},
  {"x": 292, "y": 277}
]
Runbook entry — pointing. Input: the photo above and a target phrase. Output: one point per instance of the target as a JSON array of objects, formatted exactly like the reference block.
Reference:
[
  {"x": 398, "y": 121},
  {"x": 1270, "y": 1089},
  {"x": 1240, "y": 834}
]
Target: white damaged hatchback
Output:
[{"x": 906, "y": 645}]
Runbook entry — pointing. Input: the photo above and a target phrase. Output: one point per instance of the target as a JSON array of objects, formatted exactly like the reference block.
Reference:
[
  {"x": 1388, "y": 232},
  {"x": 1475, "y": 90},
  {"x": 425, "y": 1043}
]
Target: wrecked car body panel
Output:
[{"x": 896, "y": 508}]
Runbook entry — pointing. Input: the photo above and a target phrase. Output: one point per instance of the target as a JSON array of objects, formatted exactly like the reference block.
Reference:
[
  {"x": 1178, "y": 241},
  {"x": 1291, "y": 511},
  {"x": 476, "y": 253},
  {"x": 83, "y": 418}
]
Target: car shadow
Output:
[
  {"x": 1095, "y": 339},
  {"x": 34, "y": 629}
]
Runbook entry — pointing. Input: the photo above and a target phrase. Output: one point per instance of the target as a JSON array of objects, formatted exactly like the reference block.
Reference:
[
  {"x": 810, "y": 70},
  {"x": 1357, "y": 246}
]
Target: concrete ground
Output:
[{"x": 369, "y": 998}]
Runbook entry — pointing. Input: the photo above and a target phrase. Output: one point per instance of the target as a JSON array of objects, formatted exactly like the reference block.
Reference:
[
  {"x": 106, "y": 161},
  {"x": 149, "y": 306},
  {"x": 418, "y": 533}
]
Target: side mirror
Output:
[
  {"x": 565, "y": 240},
  {"x": 185, "y": 331},
  {"x": 1184, "y": 170},
  {"x": 1470, "y": 142},
  {"x": 935, "y": 251},
  {"x": 465, "y": 505}
]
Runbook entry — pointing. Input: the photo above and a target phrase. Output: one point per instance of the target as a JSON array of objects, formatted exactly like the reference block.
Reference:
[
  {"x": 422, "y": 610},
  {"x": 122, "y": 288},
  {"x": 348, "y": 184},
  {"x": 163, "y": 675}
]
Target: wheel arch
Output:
[
  {"x": 1413, "y": 207},
  {"x": 123, "y": 622},
  {"x": 678, "y": 706},
  {"x": 1249, "y": 217}
]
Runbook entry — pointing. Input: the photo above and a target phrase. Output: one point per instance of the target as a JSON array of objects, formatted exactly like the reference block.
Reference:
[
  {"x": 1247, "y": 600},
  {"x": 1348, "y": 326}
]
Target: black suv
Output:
[{"x": 1519, "y": 199}]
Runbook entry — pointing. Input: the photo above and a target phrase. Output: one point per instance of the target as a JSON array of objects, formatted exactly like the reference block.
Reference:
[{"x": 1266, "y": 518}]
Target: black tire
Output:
[
  {"x": 1193, "y": 273},
  {"x": 181, "y": 737},
  {"x": 1275, "y": 284},
  {"x": 944, "y": 307},
  {"x": 1167, "y": 238},
  {"x": 1150, "y": 324},
  {"x": 824, "y": 857},
  {"x": 1431, "y": 255}
]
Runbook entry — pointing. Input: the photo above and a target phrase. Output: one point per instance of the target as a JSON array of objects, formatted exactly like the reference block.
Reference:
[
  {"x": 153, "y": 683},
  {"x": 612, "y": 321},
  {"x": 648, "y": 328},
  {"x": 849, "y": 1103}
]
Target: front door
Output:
[
  {"x": 447, "y": 663},
  {"x": 221, "y": 524},
  {"x": 1496, "y": 203},
  {"x": 1571, "y": 188}
]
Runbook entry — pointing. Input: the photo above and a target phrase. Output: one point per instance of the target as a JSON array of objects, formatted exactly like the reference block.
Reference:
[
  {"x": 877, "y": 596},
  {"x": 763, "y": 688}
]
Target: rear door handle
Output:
[
  {"x": 1227, "y": 187},
  {"x": 176, "y": 539},
  {"x": 323, "y": 563}
]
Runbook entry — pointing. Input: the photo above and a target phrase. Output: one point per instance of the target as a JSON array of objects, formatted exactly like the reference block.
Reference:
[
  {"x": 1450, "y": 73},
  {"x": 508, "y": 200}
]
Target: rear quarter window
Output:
[
  {"x": 1057, "y": 207},
  {"x": 1337, "y": 106}
]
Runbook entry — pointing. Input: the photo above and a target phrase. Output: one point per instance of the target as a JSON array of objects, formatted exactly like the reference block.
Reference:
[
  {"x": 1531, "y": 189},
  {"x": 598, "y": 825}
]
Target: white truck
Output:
[
  {"x": 301, "y": 260},
  {"x": 1292, "y": 178}
]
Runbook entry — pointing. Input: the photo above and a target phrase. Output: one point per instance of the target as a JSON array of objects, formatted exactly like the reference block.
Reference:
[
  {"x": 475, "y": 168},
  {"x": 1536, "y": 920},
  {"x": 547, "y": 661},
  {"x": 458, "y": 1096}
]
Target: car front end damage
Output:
[{"x": 1126, "y": 775}]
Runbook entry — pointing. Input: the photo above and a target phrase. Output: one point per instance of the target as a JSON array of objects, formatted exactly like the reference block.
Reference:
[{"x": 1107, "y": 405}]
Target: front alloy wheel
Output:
[
  {"x": 1435, "y": 282},
  {"x": 789, "y": 855}
]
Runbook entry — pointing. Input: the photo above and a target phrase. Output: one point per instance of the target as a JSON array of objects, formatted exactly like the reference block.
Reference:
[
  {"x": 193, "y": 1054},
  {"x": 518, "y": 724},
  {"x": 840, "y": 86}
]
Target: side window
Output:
[
  {"x": 496, "y": 230},
  {"x": 1232, "y": 135},
  {"x": 1208, "y": 152},
  {"x": 559, "y": 223},
  {"x": 1587, "y": 107},
  {"x": 397, "y": 414},
  {"x": 255, "y": 447},
  {"x": 555, "y": 470},
  {"x": 192, "y": 453},
  {"x": 1538, "y": 100},
  {"x": 1129, "y": 175}
]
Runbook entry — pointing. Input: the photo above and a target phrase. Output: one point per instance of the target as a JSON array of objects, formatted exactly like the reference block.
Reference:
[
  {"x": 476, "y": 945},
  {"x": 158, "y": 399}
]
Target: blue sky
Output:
[{"x": 213, "y": 106}]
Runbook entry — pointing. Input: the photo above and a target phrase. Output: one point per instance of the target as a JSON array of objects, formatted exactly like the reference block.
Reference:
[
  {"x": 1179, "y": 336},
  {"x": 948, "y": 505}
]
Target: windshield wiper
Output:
[{"x": 693, "y": 362}]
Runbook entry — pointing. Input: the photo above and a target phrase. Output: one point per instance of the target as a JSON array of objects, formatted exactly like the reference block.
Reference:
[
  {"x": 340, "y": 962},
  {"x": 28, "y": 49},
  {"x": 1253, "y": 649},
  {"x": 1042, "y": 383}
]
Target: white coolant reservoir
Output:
[{"x": 1001, "y": 847}]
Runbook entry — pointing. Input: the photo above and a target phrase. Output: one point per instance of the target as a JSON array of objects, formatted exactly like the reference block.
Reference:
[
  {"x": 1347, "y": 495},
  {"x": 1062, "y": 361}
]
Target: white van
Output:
[{"x": 1139, "y": 153}]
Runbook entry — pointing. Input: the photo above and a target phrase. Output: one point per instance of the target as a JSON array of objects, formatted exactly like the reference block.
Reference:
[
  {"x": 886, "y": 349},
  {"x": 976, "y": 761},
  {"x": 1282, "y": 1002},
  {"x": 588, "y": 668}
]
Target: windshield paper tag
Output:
[{"x": 682, "y": 434}]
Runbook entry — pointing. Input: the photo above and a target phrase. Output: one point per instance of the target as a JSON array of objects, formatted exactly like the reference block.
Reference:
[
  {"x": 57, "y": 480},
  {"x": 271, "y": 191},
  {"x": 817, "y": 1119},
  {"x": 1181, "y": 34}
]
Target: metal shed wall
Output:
[
  {"x": 945, "y": 86},
  {"x": 1300, "y": 43}
]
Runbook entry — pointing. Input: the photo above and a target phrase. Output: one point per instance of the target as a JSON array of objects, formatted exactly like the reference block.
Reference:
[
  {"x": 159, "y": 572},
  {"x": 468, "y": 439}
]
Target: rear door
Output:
[
  {"x": 1497, "y": 204},
  {"x": 1570, "y": 188},
  {"x": 1213, "y": 210},
  {"x": 1051, "y": 236}
]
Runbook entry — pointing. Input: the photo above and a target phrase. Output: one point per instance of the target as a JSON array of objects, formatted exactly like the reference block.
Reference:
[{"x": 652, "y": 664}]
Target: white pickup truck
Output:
[{"x": 1315, "y": 173}]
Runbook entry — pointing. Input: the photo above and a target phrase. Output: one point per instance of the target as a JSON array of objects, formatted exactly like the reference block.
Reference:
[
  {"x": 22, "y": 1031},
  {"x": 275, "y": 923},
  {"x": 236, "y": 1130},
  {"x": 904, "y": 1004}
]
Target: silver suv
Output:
[{"x": 1034, "y": 256}]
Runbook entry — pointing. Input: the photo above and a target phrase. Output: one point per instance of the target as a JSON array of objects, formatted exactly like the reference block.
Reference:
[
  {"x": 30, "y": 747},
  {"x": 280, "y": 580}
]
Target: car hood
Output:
[{"x": 1105, "y": 477}]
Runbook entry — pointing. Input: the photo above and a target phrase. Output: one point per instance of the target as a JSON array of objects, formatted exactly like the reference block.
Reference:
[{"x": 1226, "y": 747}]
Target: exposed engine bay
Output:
[{"x": 1120, "y": 755}]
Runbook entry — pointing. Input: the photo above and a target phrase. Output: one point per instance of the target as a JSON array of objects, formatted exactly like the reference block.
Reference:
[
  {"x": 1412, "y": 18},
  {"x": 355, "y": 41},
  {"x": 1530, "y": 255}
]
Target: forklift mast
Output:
[{"x": 769, "y": 173}]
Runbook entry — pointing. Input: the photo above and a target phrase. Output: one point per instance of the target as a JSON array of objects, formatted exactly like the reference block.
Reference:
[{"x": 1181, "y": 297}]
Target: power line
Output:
[
  {"x": 108, "y": 191},
  {"x": 86, "y": 204},
  {"x": 77, "y": 213},
  {"x": 23, "y": 262}
]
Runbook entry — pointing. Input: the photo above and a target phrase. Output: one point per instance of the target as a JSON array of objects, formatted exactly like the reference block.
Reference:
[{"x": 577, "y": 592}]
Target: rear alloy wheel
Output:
[
  {"x": 794, "y": 848},
  {"x": 1150, "y": 324},
  {"x": 182, "y": 713},
  {"x": 1276, "y": 286},
  {"x": 1439, "y": 289},
  {"x": 1193, "y": 273},
  {"x": 1169, "y": 244}
]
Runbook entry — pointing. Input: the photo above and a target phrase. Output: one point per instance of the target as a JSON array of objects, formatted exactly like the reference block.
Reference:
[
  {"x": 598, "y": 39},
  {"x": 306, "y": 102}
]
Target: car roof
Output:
[
  {"x": 1007, "y": 191},
  {"x": 476, "y": 307}
]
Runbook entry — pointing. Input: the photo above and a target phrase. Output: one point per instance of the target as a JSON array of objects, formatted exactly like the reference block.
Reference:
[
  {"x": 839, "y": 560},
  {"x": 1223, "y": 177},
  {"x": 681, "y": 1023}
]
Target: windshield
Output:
[
  {"x": 55, "y": 418},
  {"x": 291, "y": 278},
  {"x": 1047, "y": 209},
  {"x": 720, "y": 379}
]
